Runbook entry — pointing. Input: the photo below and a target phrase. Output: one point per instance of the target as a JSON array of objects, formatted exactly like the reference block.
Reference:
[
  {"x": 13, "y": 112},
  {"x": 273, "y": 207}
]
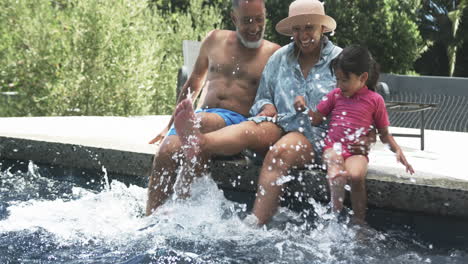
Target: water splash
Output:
[
  {"x": 106, "y": 179},
  {"x": 109, "y": 226}
]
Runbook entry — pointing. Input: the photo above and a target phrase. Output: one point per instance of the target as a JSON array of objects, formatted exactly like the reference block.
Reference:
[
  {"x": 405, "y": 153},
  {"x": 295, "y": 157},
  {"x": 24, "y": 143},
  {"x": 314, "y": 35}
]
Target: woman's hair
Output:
[{"x": 358, "y": 60}]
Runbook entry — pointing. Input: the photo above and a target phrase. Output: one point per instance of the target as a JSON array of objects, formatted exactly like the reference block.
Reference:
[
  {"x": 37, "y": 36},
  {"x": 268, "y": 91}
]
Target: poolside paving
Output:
[{"x": 121, "y": 145}]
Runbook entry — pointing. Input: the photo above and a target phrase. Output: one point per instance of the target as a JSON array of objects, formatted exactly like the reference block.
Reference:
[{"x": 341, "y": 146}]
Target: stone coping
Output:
[{"x": 386, "y": 188}]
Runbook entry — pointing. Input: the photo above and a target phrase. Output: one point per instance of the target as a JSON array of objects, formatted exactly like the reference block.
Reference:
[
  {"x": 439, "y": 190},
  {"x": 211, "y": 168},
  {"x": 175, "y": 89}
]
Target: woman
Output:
[{"x": 299, "y": 68}]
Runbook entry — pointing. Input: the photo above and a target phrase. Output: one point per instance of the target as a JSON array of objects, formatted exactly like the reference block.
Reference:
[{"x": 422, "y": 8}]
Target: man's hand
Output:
[
  {"x": 300, "y": 104},
  {"x": 268, "y": 110},
  {"x": 160, "y": 136}
]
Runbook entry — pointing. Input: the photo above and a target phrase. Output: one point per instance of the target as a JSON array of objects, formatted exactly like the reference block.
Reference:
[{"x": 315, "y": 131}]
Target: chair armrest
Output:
[
  {"x": 182, "y": 77},
  {"x": 408, "y": 107},
  {"x": 383, "y": 89}
]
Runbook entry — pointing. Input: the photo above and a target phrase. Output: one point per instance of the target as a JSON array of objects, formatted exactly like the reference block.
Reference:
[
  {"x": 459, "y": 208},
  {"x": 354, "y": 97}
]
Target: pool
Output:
[{"x": 62, "y": 215}]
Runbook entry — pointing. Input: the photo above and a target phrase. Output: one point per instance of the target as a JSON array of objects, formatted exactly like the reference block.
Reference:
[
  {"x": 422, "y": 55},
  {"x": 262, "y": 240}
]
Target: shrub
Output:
[{"x": 94, "y": 57}]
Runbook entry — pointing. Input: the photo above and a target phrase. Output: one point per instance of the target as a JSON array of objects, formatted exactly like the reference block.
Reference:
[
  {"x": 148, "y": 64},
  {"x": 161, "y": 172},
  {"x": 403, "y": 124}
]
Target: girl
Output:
[{"x": 353, "y": 109}]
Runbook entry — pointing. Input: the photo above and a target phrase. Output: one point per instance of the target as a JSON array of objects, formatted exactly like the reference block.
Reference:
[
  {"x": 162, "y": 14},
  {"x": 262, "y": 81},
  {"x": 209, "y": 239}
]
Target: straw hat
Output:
[{"x": 303, "y": 12}]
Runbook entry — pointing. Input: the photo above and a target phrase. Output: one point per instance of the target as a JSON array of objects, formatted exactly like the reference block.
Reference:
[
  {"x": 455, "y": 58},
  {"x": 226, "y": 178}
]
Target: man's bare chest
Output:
[{"x": 233, "y": 68}]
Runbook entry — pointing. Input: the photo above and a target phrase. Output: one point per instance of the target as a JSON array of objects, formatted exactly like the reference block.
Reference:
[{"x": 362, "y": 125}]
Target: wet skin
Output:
[{"x": 234, "y": 70}]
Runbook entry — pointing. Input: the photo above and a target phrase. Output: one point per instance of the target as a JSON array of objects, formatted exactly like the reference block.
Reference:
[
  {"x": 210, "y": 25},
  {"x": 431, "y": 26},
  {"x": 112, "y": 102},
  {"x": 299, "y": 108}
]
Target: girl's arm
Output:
[
  {"x": 316, "y": 117},
  {"x": 387, "y": 138},
  {"x": 300, "y": 105}
]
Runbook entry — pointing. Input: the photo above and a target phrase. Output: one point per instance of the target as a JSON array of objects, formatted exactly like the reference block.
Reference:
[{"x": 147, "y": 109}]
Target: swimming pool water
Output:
[{"x": 56, "y": 215}]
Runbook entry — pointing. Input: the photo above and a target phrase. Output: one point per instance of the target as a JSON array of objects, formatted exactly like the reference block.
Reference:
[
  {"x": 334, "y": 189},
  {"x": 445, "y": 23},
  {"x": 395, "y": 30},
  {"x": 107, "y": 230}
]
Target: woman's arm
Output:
[
  {"x": 387, "y": 138},
  {"x": 264, "y": 103}
]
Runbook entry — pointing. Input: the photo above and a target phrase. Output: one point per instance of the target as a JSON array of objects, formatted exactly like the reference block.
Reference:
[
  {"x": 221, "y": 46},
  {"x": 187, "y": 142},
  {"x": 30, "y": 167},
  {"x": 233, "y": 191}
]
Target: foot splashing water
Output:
[
  {"x": 188, "y": 129},
  {"x": 192, "y": 164},
  {"x": 55, "y": 220}
]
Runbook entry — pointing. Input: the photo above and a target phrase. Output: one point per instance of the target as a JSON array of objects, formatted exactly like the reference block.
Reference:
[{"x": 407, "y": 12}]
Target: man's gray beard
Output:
[{"x": 250, "y": 44}]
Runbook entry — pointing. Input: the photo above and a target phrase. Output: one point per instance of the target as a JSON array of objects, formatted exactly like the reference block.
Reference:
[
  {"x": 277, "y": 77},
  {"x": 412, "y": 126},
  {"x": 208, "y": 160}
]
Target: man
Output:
[{"x": 232, "y": 63}]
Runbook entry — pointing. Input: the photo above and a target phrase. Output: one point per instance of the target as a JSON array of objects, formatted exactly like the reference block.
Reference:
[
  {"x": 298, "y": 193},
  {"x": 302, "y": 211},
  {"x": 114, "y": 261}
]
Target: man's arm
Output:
[{"x": 194, "y": 82}]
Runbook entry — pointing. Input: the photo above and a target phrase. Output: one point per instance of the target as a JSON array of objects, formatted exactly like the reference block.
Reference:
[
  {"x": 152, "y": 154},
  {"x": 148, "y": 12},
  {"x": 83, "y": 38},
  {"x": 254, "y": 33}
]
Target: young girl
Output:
[{"x": 354, "y": 108}]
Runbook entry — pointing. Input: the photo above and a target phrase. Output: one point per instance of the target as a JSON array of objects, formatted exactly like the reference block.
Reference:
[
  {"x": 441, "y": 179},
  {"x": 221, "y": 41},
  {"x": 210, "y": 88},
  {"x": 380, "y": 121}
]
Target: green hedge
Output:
[{"x": 94, "y": 57}]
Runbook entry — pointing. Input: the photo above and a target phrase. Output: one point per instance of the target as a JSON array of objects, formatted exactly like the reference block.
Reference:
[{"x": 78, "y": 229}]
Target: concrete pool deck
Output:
[{"x": 120, "y": 144}]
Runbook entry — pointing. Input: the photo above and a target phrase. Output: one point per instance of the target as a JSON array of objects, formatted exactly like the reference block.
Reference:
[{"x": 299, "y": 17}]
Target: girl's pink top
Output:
[{"x": 352, "y": 117}]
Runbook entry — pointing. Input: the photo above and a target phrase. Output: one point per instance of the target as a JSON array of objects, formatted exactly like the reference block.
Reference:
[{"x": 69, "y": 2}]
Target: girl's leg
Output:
[
  {"x": 356, "y": 166},
  {"x": 336, "y": 178},
  {"x": 293, "y": 149}
]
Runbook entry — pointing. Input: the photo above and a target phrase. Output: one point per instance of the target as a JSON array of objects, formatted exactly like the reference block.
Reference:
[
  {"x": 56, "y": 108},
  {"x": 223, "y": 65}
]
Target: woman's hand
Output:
[
  {"x": 300, "y": 104},
  {"x": 268, "y": 110}
]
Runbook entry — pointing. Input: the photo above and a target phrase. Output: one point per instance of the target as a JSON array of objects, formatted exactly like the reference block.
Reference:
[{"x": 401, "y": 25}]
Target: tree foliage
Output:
[
  {"x": 387, "y": 27},
  {"x": 444, "y": 27}
]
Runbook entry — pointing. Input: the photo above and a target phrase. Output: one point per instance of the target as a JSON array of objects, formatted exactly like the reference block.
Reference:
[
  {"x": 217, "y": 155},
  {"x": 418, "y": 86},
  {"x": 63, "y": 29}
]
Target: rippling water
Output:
[{"x": 60, "y": 219}]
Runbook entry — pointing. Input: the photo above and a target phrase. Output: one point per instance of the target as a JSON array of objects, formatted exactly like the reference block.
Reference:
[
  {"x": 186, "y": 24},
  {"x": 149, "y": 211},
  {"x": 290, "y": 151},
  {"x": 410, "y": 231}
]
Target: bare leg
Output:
[
  {"x": 236, "y": 138},
  {"x": 198, "y": 147},
  {"x": 187, "y": 128},
  {"x": 226, "y": 141},
  {"x": 189, "y": 171},
  {"x": 293, "y": 149},
  {"x": 336, "y": 178},
  {"x": 163, "y": 173},
  {"x": 356, "y": 166}
]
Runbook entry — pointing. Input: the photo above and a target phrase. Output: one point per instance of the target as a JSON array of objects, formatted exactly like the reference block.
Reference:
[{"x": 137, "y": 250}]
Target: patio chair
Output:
[{"x": 406, "y": 107}]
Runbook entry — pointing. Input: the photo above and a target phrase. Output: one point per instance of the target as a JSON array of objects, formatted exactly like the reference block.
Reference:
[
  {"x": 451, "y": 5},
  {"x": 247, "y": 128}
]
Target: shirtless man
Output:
[{"x": 232, "y": 63}]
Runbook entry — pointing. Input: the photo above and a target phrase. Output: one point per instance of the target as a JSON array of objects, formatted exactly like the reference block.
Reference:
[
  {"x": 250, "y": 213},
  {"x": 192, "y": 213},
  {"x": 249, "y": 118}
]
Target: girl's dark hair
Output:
[{"x": 358, "y": 60}]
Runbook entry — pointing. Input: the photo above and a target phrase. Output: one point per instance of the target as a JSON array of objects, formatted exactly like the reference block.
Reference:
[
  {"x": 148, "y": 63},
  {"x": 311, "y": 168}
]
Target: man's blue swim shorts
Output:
[{"x": 230, "y": 117}]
